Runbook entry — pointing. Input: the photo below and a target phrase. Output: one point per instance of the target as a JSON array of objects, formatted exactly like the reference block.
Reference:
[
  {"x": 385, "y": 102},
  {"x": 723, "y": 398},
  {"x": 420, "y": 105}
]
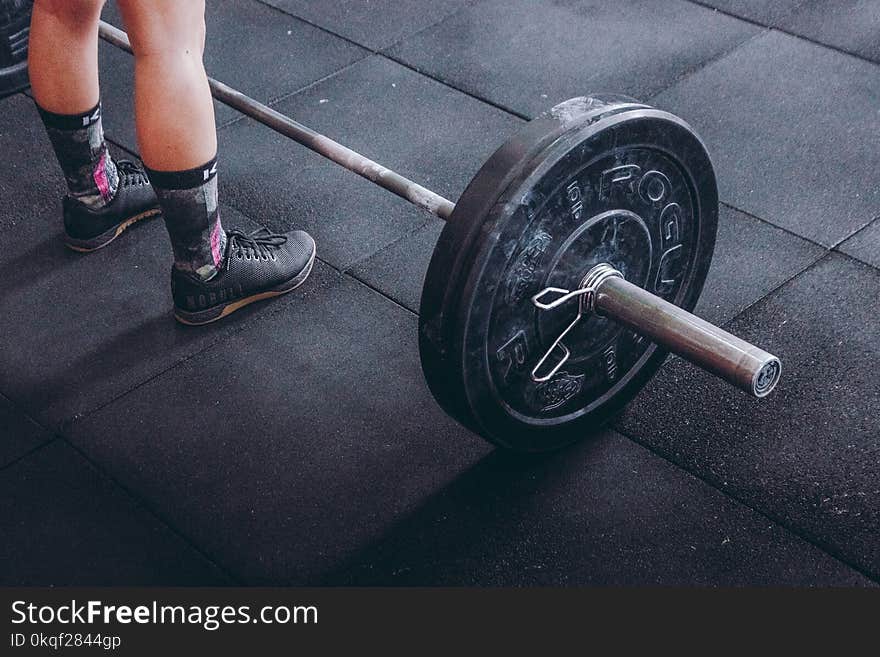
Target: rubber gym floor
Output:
[{"x": 296, "y": 442}]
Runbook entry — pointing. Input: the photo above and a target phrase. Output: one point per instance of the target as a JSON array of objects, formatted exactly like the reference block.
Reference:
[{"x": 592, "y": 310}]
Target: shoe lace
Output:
[
  {"x": 130, "y": 173},
  {"x": 259, "y": 244}
]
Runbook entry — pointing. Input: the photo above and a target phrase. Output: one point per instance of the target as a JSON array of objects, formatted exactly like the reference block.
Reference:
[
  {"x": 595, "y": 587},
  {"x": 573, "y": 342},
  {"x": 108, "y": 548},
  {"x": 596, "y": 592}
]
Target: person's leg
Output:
[
  {"x": 174, "y": 110},
  {"x": 175, "y": 125},
  {"x": 103, "y": 198},
  {"x": 63, "y": 55},
  {"x": 63, "y": 67},
  {"x": 214, "y": 273}
]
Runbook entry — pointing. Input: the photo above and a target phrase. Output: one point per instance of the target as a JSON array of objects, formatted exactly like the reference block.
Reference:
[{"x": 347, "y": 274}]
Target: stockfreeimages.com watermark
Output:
[{"x": 209, "y": 617}]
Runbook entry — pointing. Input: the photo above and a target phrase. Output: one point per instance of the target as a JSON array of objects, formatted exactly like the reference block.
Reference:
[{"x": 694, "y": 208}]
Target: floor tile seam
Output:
[
  {"x": 382, "y": 52},
  {"x": 21, "y": 410},
  {"x": 772, "y": 224},
  {"x": 708, "y": 63},
  {"x": 60, "y": 438},
  {"x": 854, "y": 232},
  {"x": 816, "y": 261},
  {"x": 782, "y": 523},
  {"x": 317, "y": 26},
  {"x": 30, "y": 452},
  {"x": 834, "y": 246},
  {"x": 280, "y": 98},
  {"x": 264, "y": 314},
  {"x": 872, "y": 222},
  {"x": 726, "y": 12},
  {"x": 382, "y": 249},
  {"x": 467, "y": 6},
  {"x": 372, "y": 49},
  {"x": 483, "y": 100},
  {"x": 142, "y": 503},
  {"x": 782, "y": 30},
  {"x": 68, "y": 422},
  {"x": 382, "y": 294},
  {"x": 726, "y": 324},
  {"x": 857, "y": 259}
]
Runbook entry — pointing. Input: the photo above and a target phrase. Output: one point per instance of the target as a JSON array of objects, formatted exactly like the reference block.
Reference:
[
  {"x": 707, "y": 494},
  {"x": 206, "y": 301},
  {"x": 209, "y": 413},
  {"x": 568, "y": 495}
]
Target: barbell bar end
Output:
[{"x": 708, "y": 346}]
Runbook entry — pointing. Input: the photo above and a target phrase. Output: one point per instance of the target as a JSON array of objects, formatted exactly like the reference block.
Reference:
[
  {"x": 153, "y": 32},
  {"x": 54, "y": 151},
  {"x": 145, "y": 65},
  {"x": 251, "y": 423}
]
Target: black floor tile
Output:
[
  {"x": 80, "y": 329},
  {"x": 865, "y": 245},
  {"x": 311, "y": 439},
  {"x": 64, "y": 524},
  {"x": 18, "y": 433},
  {"x": 603, "y": 513},
  {"x": 851, "y": 25},
  {"x": 785, "y": 145},
  {"x": 375, "y": 24},
  {"x": 808, "y": 454},
  {"x": 399, "y": 269},
  {"x": 424, "y": 130},
  {"x": 751, "y": 259},
  {"x": 766, "y": 12},
  {"x": 529, "y": 56},
  {"x": 294, "y": 444},
  {"x": 251, "y": 47}
]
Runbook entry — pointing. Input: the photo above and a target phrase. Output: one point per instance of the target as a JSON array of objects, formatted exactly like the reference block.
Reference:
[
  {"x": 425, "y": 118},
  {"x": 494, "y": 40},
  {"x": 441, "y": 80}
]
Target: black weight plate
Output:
[
  {"x": 449, "y": 259},
  {"x": 592, "y": 181}
]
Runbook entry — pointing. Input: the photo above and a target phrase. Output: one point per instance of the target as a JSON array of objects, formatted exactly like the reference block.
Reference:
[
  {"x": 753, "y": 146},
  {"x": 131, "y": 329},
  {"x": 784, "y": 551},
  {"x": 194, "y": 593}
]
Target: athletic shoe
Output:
[
  {"x": 256, "y": 266},
  {"x": 89, "y": 230}
]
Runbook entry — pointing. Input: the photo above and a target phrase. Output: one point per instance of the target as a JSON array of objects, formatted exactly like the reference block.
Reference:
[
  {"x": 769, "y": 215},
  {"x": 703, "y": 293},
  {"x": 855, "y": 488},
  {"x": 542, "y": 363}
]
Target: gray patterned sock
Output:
[
  {"x": 78, "y": 141},
  {"x": 192, "y": 217}
]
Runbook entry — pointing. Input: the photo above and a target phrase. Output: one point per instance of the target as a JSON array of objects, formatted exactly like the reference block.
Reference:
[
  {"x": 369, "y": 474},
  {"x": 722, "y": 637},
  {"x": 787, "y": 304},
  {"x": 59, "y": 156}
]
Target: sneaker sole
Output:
[
  {"x": 219, "y": 312},
  {"x": 102, "y": 240}
]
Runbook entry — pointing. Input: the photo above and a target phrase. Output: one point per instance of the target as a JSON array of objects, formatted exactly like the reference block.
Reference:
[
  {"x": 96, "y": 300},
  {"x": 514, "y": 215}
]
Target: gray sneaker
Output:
[
  {"x": 86, "y": 229},
  {"x": 256, "y": 266}
]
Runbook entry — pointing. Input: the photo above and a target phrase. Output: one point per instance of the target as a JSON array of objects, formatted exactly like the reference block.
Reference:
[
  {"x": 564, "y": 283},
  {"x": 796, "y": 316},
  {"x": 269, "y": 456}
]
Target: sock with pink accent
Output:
[
  {"x": 78, "y": 141},
  {"x": 192, "y": 217}
]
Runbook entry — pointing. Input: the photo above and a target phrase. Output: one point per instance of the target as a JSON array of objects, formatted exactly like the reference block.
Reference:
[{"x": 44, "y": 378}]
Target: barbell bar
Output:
[{"x": 529, "y": 364}]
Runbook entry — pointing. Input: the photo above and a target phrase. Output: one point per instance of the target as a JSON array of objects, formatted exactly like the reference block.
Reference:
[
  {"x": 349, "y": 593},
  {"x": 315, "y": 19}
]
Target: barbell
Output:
[{"x": 567, "y": 270}]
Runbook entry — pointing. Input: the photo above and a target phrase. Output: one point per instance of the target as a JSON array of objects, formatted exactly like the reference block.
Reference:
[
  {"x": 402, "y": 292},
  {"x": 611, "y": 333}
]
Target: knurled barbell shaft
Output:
[
  {"x": 315, "y": 141},
  {"x": 704, "y": 344}
]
